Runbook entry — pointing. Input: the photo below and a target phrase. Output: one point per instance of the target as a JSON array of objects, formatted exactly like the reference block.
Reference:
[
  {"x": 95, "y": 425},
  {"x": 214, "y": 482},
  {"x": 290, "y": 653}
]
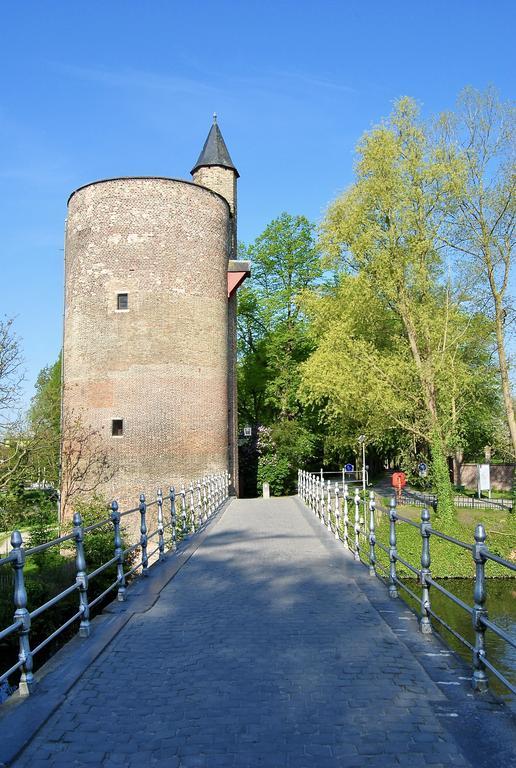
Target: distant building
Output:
[{"x": 149, "y": 348}]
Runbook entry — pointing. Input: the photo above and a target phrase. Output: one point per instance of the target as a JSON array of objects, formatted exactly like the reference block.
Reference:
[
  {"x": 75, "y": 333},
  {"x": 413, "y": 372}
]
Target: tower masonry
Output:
[{"x": 149, "y": 348}]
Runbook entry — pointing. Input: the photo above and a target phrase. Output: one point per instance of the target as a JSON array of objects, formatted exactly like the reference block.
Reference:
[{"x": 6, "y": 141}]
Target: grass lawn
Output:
[{"x": 449, "y": 560}]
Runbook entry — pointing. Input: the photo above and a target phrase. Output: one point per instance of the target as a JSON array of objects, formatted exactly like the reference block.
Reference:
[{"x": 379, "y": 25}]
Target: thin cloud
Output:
[{"x": 131, "y": 78}]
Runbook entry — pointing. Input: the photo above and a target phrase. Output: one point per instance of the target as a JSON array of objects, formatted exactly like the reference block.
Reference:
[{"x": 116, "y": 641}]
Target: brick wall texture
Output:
[{"x": 162, "y": 365}]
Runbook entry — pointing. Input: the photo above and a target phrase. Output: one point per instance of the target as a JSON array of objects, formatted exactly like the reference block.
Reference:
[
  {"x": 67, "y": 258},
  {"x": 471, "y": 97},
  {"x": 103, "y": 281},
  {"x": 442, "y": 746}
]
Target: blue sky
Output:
[{"x": 117, "y": 88}]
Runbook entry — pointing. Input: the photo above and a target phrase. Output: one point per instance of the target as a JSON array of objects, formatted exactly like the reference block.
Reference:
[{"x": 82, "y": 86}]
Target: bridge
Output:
[{"x": 258, "y": 640}]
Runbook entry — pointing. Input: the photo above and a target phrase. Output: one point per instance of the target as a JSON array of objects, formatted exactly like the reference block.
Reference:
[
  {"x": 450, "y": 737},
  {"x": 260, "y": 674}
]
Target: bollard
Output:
[
  {"x": 266, "y": 491},
  {"x": 372, "y": 536},
  {"x": 143, "y": 534},
  {"x": 356, "y": 501},
  {"x": 346, "y": 516},
  {"x": 425, "y": 624},
  {"x": 81, "y": 576},
  {"x": 173, "y": 516},
  {"x": 22, "y": 615},
  {"x": 119, "y": 552},
  {"x": 480, "y": 681},
  {"x": 393, "y": 590},
  {"x": 161, "y": 530},
  {"x": 337, "y": 512}
]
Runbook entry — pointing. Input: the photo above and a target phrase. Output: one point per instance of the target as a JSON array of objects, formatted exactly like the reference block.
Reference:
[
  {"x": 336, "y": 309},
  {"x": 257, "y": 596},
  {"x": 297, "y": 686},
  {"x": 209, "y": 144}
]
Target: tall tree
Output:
[
  {"x": 362, "y": 378},
  {"x": 272, "y": 336},
  {"x": 45, "y": 424},
  {"x": 482, "y": 227},
  {"x": 13, "y": 449},
  {"x": 386, "y": 227}
]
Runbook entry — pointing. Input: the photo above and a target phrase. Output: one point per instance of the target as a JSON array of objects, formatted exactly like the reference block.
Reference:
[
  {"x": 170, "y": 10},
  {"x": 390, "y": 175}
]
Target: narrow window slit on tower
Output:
[
  {"x": 122, "y": 301},
  {"x": 117, "y": 427}
]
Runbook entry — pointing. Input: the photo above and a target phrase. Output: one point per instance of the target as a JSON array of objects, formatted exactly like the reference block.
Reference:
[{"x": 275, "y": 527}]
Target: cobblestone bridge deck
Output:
[{"x": 269, "y": 647}]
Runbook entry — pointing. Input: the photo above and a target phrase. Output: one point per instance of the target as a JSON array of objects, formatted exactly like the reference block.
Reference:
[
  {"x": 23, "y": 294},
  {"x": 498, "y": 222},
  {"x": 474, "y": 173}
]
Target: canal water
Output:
[{"x": 501, "y": 605}]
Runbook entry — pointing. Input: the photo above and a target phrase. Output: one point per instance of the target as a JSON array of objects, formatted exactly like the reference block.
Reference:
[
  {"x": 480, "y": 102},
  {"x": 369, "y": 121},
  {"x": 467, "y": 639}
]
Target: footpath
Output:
[{"x": 271, "y": 647}]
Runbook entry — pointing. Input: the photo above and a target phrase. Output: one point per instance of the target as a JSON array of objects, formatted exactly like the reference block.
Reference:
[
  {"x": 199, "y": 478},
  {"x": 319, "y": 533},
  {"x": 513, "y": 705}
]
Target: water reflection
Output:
[{"x": 501, "y": 606}]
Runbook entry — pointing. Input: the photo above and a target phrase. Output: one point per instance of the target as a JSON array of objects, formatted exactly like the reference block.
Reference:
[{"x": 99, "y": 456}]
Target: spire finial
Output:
[{"x": 214, "y": 152}]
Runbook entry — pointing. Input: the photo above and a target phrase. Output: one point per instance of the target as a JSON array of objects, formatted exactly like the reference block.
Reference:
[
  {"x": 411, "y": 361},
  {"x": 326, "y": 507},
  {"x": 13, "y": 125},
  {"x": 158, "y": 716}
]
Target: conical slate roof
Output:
[{"x": 214, "y": 151}]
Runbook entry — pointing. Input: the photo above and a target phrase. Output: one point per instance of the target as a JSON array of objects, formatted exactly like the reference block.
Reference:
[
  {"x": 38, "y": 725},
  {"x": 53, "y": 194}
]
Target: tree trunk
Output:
[
  {"x": 504, "y": 375},
  {"x": 439, "y": 470}
]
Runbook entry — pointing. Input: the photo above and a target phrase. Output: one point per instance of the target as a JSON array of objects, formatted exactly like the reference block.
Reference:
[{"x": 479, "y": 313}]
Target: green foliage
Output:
[
  {"x": 45, "y": 425},
  {"x": 447, "y": 560},
  {"x": 98, "y": 544},
  {"x": 283, "y": 448},
  {"x": 440, "y": 476},
  {"x": 273, "y": 341},
  {"x": 42, "y": 528}
]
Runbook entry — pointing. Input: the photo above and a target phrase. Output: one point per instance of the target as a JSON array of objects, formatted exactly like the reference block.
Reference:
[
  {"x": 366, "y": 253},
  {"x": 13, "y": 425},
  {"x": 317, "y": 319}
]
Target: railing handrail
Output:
[
  {"x": 212, "y": 492},
  {"x": 313, "y": 490}
]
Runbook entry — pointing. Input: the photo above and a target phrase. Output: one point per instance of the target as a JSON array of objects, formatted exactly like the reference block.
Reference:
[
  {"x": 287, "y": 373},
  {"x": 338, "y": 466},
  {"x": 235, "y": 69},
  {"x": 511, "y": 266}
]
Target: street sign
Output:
[
  {"x": 349, "y": 468},
  {"x": 248, "y": 431},
  {"x": 484, "y": 478},
  {"x": 422, "y": 466}
]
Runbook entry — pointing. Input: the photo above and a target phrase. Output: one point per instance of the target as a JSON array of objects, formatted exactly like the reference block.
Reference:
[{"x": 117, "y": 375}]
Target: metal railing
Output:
[
  {"x": 186, "y": 510},
  {"x": 420, "y": 499},
  {"x": 341, "y": 514}
]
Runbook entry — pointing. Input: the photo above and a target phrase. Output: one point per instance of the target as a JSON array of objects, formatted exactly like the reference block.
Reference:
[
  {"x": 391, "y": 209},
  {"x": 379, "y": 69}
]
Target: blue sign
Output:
[
  {"x": 349, "y": 468},
  {"x": 422, "y": 466}
]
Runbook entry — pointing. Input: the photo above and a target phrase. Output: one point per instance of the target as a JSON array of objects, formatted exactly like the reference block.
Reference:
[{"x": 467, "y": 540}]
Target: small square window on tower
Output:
[
  {"x": 117, "y": 427},
  {"x": 122, "y": 301}
]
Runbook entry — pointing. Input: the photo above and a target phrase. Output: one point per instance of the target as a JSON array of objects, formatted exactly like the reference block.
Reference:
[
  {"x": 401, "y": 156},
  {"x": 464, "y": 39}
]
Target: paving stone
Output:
[{"x": 265, "y": 650}]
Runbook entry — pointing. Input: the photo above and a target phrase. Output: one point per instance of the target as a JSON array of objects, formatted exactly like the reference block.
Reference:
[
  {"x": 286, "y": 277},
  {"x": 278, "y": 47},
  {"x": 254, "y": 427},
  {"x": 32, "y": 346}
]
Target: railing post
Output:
[
  {"x": 480, "y": 681},
  {"x": 199, "y": 502},
  {"x": 22, "y": 614},
  {"x": 210, "y": 495},
  {"x": 161, "y": 529},
  {"x": 215, "y": 493},
  {"x": 183, "y": 511},
  {"x": 204, "y": 500},
  {"x": 337, "y": 512},
  {"x": 322, "y": 502},
  {"x": 191, "y": 507},
  {"x": 81, "y": 576},
  {"x": 356, "y": 501},
  {"x": 119, "y": 552},
  {"x": 143, "y": 534},
  {"x": 345, "y": 494},
  {"x": 425, "y": 624},
  {"x": 328, "y": 505},
  {"x": 393, "y": 589},
  {"x": 173, "y": 515},
  {"x": 372, "y": 536}
]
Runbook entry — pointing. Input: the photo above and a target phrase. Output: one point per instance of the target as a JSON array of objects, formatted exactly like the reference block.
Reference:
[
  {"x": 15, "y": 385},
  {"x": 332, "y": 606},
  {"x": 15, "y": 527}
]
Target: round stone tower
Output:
[{"x": 147, "y": 354}]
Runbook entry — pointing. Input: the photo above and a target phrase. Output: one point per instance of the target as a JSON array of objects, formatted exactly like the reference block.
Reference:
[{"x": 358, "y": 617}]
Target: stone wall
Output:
[{"x": 501, "y": 476}]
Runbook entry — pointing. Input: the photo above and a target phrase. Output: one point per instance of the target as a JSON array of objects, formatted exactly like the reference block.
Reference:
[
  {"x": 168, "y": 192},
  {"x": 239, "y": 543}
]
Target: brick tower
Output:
[{"x": 149, "y": 325}]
